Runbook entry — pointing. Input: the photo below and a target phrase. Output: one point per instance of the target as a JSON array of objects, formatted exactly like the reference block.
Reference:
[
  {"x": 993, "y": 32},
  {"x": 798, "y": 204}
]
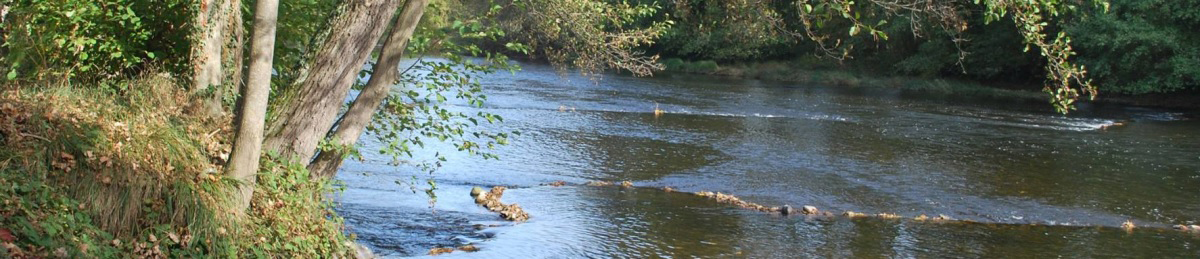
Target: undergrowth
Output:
[{"x": 90, "y": 173}]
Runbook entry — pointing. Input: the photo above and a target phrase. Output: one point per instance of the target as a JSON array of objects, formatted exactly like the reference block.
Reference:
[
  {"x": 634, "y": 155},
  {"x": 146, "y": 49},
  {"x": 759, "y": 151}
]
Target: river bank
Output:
[
  {"x": 89, "y": 173},
  {"x": 821, "y": 73}
]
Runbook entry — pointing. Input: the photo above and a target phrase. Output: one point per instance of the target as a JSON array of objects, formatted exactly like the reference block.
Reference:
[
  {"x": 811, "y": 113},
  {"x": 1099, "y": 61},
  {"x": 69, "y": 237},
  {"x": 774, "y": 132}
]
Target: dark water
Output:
[{"x": 1043, "y": 184}]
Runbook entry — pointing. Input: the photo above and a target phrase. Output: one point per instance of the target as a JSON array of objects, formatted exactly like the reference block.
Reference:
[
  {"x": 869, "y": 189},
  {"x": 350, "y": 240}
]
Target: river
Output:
[{"x": 1041, "y": 184}]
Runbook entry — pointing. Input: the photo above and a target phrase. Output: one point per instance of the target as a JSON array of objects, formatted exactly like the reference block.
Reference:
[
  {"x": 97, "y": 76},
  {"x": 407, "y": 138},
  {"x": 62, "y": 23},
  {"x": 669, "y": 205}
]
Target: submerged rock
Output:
[
  {"x": 887, "y": 216},
  {"x": 362, "y": 252},
  {"x": 735, "y": 201},
  {"x": 598, "y": 183},
  {"x": 851, "y": 214},
  {"x": 1128, "y": 225},
  {"x": 441, "y": 250},
  {"x": 468, "y": 248},
  {"x": 558, "y": 183}
]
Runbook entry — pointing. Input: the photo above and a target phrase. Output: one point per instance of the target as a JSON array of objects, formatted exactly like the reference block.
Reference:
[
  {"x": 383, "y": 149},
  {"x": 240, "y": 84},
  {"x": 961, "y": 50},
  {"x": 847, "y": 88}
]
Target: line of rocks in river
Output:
[
  {"x": 513, "y": 212},
  {"x": 813, "y": 211}
]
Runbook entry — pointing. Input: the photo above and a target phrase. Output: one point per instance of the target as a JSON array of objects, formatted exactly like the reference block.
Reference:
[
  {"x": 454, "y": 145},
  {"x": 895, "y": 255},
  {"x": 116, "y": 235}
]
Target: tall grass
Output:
[{"x": 138, "y": 175}]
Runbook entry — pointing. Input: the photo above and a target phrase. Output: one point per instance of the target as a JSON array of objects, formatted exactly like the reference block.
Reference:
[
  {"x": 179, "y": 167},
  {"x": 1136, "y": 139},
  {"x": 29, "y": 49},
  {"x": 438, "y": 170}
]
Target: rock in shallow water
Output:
[
  {"x": 787, "y": 210},
  {"x": 810, "y": 210},
  {"x": 491, "y": 201},
  {"x": 475, "y": 191}
]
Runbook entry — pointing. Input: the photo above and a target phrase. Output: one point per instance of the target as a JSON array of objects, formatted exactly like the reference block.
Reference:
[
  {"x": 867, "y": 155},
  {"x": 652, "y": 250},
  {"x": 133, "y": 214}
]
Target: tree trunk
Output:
[
  {"x": 247, "y": 148},
  {"x": 3, "y": 34},
  {"x": 386, "y": 72},
  {"x": 220, "y": 41},
  {"x": 306, "y": 114}
]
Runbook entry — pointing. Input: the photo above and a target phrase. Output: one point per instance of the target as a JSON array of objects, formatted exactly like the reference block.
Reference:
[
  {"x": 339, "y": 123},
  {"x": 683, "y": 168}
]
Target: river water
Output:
[{"x": 1039, "y": 183}]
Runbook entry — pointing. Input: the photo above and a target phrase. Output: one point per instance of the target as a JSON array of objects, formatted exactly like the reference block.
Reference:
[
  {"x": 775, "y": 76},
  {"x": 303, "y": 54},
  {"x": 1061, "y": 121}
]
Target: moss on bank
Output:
[{"x": 91, "y": 173}]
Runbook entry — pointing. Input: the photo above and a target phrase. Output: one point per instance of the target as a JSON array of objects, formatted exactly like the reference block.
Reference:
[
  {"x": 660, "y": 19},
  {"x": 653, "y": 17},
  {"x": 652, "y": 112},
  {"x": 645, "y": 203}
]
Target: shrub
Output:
[{"x": 673, "y": 64}]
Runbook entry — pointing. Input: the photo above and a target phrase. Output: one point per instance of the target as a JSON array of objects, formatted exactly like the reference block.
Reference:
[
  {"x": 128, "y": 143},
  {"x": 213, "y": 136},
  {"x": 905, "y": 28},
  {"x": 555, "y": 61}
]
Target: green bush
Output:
[
  {"x": 673, "y": 64},
  {"x": 704, "y": 66},
  {"x": 676, "y": 64},
  {"x": 93, "y": 40}
]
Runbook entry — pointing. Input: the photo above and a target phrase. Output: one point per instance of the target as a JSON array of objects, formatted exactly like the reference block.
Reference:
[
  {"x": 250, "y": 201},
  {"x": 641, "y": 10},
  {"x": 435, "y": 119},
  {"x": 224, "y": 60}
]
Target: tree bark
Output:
[
  {"x": 247, "y": 148},
  {"x": 217, "y": 51},
  {"x": 307, "y": 114},
  {"x": 385, "y": 75}
]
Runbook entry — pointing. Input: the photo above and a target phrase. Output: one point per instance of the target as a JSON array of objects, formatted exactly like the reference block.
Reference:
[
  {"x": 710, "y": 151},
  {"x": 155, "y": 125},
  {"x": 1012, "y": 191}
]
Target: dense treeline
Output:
[
  {"x": 1136, "y": 47},
  {"x": 1142, "y": 46}
]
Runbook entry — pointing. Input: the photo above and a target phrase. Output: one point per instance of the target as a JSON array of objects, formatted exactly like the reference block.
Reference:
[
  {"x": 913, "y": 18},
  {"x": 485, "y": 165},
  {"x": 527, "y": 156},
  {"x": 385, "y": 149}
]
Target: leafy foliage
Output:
[
  {"x": 94, "y": 40},
  {"x": 291, "y": 217},
  {"x": 431, "y": 104},
  {"x": 836, "y": 28},
  {"x": 702, "y": 31},
  {"x": 1142, "y": 46},
  {"x": 38, "y": 220},
  {"x": 586, "y": 34}
]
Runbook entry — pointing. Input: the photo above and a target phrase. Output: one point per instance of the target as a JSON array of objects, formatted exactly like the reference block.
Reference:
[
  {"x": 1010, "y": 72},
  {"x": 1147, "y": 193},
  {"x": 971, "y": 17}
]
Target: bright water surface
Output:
[{"x": 1045, "y": 185}]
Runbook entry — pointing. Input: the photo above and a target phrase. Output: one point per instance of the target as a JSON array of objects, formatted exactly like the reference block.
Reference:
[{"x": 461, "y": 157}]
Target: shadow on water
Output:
[{"x": 871, "y": 150}]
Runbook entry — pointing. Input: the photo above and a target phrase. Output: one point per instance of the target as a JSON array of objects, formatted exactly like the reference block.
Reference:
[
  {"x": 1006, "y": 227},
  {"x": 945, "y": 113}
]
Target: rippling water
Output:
[{"x": 1042, "y": 184}]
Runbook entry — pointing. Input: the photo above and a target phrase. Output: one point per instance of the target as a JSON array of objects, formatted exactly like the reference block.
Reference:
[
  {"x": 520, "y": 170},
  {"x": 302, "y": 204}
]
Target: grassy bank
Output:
[
  {"x": 89, "y": 172},
  {"x": 818, "y": 72}
]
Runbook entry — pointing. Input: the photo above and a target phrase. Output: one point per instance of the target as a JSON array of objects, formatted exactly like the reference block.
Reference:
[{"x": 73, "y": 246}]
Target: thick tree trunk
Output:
[
  {"x": 386, "y": 72},
  {"x": 234, "y": 55},
  {"x": 217, "y": 51},
  {"x": 307, "y": 114},
  {"x": 247, "y": 148}
]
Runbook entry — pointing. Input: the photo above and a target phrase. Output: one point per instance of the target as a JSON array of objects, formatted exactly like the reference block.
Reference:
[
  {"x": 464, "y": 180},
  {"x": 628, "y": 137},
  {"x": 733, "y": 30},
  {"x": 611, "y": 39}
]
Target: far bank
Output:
[{"x": 825, "y": 74}]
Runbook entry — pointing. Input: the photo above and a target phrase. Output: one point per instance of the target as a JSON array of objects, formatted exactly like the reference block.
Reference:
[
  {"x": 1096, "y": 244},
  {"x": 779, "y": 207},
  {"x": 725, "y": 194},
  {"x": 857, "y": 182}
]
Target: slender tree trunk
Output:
[
  {"x": 247, "y": 149},
  {"x": 3, "y": 34},
  {"x": 356, "y": 119},
  {"x": 307, "y": 114},
  {"x": 217, "y": 51}
]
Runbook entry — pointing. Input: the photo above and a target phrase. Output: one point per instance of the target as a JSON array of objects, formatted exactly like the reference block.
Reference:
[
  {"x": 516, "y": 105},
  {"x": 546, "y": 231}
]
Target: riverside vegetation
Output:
[
  {"x": 194, "y": 128},
  {"x": 1133, "y": 49}
]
